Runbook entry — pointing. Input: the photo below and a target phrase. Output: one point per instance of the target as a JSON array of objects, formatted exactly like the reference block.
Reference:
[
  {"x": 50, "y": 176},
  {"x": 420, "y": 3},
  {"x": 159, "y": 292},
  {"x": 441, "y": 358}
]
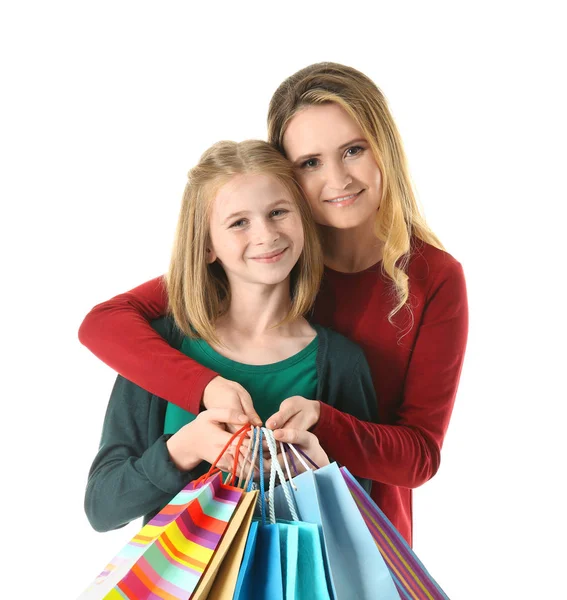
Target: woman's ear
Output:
[{"x": 211, "y": 256}]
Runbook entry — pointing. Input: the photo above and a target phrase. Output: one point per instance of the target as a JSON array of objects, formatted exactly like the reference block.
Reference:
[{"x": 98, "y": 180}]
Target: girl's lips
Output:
[
  {"x": 348, "y": 200},
  {"x": 271, "y": 257}
]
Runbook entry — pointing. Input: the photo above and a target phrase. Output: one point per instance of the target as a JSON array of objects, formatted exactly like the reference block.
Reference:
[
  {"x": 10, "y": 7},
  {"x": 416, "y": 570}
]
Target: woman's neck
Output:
[{"x": 351, "y": 250}]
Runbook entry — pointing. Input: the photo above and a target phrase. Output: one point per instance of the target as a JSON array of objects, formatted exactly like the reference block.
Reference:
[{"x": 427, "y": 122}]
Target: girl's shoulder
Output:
[
  {"x": 335, "y": 344},
  {"x": 168, "y": 330}
]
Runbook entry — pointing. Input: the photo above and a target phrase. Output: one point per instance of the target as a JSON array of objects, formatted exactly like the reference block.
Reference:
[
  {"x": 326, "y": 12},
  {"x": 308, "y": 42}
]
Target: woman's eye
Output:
[
  {"x": 310, "y": 163},
  {"x": 279, "y": 212},
  {"x": 239, "y": 223},
  {"x": 354, "y": 150}
]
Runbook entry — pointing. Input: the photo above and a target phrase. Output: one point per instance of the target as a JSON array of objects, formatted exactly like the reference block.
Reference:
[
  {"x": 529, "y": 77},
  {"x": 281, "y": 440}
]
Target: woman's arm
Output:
[
  {"x": 119, "y": 333},
  {"x": 407, "y": 453}
]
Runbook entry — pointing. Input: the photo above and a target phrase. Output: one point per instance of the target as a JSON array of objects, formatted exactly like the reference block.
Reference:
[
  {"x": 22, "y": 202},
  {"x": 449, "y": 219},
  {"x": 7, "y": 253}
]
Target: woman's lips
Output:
[{"x": 345, "y": 200}]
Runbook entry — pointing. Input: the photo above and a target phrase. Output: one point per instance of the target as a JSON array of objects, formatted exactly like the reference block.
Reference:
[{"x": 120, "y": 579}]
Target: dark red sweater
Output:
[{"x": 415, "y": 372}]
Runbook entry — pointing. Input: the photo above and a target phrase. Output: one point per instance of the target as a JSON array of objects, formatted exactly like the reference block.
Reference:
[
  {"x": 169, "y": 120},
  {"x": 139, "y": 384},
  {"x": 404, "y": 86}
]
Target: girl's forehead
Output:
[{"x": 250, "y": 189}]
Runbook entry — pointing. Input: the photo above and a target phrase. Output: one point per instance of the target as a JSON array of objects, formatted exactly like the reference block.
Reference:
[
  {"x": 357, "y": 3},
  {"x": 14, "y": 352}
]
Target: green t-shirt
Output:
[{"x": 268, "y": 385}]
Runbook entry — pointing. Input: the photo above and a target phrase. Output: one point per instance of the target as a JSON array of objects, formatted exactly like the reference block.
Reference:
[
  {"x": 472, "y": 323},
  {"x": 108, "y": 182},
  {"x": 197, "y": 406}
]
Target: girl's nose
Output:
[{"x": 266, "y": 232}]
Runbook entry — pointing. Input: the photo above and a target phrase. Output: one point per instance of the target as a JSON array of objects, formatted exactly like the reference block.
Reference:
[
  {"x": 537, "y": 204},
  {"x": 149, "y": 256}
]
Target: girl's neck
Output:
[
  {"x": 351, "y": 250},
  {"x": 247, "y": 333}
]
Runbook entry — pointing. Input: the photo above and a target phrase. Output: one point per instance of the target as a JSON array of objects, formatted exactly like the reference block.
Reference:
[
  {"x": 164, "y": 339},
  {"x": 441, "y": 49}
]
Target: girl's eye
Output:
[
  {"x": 238, "y": 224},
  {"x": 278, "y": 212},
  {"x": 310, "y": 163},
  {"x": 354, "y": 150}
]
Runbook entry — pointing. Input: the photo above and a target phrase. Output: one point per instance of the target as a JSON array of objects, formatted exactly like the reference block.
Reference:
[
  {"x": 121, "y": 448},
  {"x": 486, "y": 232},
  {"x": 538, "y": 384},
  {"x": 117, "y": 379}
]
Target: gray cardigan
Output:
[{"x": 132, "y": 474}]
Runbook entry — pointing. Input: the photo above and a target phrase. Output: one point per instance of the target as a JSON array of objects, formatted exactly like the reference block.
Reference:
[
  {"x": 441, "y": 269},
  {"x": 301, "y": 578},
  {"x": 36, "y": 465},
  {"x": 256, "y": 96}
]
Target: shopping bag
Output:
[
  {"x": 283, "y": 558},
  {"x": 355, "y": 566},
  {"x": 227, "y": 557},
  {"x": 410, "y": 576},
  {"x": 302, "y": 561},
  {"x": 169, "y": 555}
]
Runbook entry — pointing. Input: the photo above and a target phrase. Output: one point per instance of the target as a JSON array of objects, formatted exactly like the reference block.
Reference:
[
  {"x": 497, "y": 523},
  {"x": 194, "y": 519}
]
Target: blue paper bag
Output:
[
  {"x": 260, "y": 576},
  {"x": 355, "y": 567}
]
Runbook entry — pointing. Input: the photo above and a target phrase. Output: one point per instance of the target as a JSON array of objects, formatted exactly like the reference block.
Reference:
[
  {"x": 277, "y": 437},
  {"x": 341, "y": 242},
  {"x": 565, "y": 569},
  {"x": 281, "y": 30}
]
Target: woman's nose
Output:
[{"x": 337, "y": 176}]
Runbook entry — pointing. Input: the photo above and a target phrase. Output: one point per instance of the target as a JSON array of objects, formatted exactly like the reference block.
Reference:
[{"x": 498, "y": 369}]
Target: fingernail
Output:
[
  {"x": 272, "y": 424},
  {"x": 242, "y": 418}
]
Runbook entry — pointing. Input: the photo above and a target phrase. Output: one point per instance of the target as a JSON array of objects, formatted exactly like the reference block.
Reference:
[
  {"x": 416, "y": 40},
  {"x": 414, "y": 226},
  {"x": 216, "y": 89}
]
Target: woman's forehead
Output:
[{"x": 319, "y": 128}]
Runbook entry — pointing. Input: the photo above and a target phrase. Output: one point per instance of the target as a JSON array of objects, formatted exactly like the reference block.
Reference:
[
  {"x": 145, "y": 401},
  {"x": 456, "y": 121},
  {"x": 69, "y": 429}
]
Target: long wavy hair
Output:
[
  {"x": 199, "y": 293},
  {"x": 399, "y": 218}
]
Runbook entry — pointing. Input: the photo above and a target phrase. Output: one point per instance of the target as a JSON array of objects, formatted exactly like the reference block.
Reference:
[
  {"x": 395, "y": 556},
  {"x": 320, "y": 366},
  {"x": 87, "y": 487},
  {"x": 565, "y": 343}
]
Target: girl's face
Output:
[
  {"x": 255, "y": 230},
  {"x": 334, "y": 166}
]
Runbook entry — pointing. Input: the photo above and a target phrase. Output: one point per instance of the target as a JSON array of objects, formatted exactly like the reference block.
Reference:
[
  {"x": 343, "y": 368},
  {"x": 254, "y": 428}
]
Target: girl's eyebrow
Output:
[
  {"x": 241, "y": 213},
  {"x": 317, "y": 154}
]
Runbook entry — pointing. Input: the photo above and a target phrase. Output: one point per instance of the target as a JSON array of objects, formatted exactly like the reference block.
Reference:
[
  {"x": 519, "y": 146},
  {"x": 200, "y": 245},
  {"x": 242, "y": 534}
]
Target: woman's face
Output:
[
  {"x": 255, "y": 230},
  {"x": 334, "y": 165}
]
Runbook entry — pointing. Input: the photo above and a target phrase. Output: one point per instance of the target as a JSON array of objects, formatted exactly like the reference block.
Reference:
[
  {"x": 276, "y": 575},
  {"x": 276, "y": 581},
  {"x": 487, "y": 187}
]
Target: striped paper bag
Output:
[
  {"x": 168, "y": 556},
  {"x": 410, "y": 576}
]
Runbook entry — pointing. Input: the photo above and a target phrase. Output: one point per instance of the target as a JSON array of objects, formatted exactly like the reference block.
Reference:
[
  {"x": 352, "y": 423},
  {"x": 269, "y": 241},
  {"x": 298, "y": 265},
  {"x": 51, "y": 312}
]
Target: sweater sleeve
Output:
[
  {"x": 407, "y": 453},
  {"x": 131, "y": 474},
  {"x": 118, "y": 332}
]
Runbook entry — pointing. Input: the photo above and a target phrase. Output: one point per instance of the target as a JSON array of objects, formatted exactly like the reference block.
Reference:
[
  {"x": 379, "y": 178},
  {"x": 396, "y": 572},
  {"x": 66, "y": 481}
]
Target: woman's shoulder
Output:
[{"x": 429, "y": 264}]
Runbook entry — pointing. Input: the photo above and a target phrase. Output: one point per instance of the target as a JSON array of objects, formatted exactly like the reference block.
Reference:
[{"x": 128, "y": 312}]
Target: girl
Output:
[
  {"x": 388, "y": 285},
  {"x": 245, "y": 268}
]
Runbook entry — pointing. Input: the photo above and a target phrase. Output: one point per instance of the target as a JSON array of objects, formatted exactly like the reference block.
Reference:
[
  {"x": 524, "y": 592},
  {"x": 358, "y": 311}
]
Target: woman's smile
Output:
[{"x": 343, "y": 200}]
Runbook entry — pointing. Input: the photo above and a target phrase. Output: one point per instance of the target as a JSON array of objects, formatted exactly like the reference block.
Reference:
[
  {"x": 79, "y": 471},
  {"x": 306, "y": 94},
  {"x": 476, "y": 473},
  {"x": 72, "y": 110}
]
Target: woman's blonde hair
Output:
[
  {"x": 199, "y": 293},
  {"x": 399, "y": 217}
]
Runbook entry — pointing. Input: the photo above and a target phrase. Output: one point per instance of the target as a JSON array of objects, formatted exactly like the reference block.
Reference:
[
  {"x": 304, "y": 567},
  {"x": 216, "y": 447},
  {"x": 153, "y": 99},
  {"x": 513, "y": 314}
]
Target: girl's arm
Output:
[
  {"x": 407, "y": 453},
  {"x": 132, "y": 474},
  {"x": 138, "y": 469},
  {"x": 118, "y": 331}
]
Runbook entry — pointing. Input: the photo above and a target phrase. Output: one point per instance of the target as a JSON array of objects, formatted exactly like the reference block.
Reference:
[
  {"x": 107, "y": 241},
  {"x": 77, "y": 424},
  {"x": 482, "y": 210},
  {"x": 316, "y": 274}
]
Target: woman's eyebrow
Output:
[{"x": 317, "y": 154}]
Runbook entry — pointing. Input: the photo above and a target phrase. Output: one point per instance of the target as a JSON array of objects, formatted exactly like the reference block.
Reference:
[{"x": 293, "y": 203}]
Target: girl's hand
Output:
[
  {"x": 295, "y": 413},
  {"x": 204, "y": 438},
  {"x": 223, "y": 393}
]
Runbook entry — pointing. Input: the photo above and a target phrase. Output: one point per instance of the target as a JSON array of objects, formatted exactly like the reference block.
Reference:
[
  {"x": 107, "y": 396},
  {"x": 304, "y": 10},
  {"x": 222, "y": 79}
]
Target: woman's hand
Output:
[
  {"x": 307, "y": 442},
  {"x": 296, "y": 412},
  {"x": 304, "y": 440},
  {"x": 204, "y": 438},
  {"x": 223, "y": 393}
]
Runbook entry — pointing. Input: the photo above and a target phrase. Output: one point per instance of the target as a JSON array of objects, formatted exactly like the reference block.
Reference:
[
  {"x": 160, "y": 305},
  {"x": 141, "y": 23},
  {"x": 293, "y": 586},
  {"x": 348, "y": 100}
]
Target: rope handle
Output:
[{"x": 213, "y": 470}]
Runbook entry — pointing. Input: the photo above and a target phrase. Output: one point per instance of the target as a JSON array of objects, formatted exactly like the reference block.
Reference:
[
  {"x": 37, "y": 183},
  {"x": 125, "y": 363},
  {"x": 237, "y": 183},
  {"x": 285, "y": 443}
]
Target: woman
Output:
[{"x": 388, "y": 285}]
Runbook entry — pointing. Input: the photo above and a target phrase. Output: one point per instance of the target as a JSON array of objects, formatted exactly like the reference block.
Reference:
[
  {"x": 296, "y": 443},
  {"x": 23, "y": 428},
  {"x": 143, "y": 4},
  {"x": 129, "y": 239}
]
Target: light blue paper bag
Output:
[{"x": 356, "y": 568}]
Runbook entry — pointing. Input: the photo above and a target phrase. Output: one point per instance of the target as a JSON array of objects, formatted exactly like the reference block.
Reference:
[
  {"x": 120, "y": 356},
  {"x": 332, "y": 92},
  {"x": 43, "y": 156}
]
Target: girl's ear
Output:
[{"x": 211, "y": 256}]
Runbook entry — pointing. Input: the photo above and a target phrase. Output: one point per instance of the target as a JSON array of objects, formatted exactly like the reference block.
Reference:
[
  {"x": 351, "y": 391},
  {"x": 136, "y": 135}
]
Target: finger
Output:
[
  {"x": 282, "y": 417},
  {"x": 248, "y": 408},
  {"x": 229, "y": 416},
  {"x": 290, "y": 435}
]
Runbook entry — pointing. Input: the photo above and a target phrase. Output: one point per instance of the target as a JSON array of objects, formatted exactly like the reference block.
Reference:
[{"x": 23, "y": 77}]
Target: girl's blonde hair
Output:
[
  {"x": 399, "y": 217},
  {"x": 199, "y": 292}
]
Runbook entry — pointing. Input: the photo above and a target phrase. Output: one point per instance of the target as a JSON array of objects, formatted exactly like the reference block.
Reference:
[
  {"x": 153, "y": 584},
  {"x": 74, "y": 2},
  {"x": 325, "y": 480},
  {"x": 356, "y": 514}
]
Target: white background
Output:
[{"x": 106, "y": 106}]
